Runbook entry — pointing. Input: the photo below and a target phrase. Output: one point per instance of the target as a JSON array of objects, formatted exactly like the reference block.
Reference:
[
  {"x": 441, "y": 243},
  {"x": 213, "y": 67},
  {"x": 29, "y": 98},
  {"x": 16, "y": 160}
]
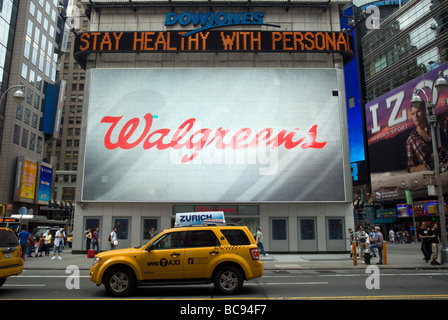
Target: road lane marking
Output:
[
  {"x": 24, "y": 285},
  {"x": 288, "y": 283},
  {"x": 23, "y": 276}
]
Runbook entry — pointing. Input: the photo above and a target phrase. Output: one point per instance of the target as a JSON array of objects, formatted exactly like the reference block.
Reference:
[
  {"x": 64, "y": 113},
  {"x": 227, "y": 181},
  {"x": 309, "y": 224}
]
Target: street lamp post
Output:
[
  {"x": 19, "y": 95},
  {"x": 440, "y": 84}
]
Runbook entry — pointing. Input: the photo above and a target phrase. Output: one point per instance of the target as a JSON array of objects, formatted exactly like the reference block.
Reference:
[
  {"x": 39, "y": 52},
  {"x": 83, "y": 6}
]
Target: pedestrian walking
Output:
[
  {"x": 47, "y": 243},
  {"x": 426, "y": 244},
  {"x": 113, "y": 239},
  {"x": 39, "y": 245},
  {"x": 96, "y": 240},
  {"x": 378, "y": 244},
  {"x": 399, "y": 236},
  {"x": 434, "y": 238},
  {"x": 30, "y": 246},
  {"x": 392, "y": 236},
  {"x": 89, "y": 237},
  {"x": 58, "y": 244},
  {"x": 259, "y": 241},
  {"x": 23, "y": 240},
  {"x": 362, "y": 236}
]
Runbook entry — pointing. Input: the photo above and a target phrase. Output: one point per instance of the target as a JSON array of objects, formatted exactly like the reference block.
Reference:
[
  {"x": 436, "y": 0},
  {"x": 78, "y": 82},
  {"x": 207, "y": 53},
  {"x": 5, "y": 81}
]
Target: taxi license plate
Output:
[{"x": 8, "y": 255}]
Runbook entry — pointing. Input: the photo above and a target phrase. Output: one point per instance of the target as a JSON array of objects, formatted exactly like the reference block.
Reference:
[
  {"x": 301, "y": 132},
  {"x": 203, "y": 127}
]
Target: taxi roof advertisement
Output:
[{"x": 211, "y": 134}]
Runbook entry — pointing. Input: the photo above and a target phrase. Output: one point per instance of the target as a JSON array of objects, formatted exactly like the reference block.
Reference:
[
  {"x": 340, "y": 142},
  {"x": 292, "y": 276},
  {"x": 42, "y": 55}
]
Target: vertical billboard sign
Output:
[
  {"x": 186, "y": 135},
  {"x": 44, "y": 178},
  {"x": 59, "y": 109},
  {"x": 399, "y": 139},
  {"x": 25, "y": 185}
]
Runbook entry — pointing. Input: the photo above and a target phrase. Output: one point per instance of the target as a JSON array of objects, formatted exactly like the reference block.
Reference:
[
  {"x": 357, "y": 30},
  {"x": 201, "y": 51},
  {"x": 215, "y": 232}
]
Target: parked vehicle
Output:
[{"x": 11, "y": 262}]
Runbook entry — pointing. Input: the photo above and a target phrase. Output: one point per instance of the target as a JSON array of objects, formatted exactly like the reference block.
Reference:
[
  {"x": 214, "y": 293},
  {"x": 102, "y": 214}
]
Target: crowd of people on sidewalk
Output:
[
  {"x": 367, "y": 242},
  {"x": 371, "y": 243},
  {"x": 41, "y": 243},
  {"x": 93, "y": 239}
]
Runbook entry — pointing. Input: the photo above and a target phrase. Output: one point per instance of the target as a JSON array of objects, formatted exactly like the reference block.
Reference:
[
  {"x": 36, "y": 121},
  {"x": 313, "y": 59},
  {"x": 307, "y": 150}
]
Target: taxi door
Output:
[
  {"x": 165, "y": 258},
  {"x": 203, "y": 251}
]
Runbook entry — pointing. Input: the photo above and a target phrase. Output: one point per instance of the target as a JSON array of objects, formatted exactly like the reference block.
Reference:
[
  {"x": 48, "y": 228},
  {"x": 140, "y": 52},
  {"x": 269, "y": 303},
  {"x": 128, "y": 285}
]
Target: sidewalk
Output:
[{"x": 399, "y": 256}]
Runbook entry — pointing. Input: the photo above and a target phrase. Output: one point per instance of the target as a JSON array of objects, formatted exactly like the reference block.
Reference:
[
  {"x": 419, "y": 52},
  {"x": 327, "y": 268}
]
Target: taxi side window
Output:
[
  {"x": 202, "y": 238},
  {"x": 236, "y": 237},
  {"x": 170, "y": 241}
]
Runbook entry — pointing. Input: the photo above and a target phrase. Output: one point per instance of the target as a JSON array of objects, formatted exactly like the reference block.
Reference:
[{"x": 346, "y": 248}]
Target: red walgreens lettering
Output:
[{"x": 200, "y": 139}]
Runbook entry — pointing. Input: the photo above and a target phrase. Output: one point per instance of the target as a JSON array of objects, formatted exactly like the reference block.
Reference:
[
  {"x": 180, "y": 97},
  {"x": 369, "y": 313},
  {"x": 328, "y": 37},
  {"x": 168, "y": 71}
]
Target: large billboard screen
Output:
[
  {"x": 218, "y": 135},
  {"x": 399, "y": 139}
]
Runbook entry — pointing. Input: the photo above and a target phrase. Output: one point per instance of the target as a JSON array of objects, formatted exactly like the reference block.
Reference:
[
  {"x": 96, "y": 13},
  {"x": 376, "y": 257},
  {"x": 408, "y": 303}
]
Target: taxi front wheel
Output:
[
  {"x": 119, "y": 282},
  {"x": 228, "y": 280}
]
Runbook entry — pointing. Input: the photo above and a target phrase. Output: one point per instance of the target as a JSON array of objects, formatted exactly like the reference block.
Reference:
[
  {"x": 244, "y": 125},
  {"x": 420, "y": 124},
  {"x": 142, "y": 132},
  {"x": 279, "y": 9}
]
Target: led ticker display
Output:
[{"x": 213, "y": 41}]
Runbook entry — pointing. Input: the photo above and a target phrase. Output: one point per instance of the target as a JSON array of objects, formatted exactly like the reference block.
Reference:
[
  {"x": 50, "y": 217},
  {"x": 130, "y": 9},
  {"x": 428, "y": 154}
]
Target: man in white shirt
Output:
[
  {"x": 58, "y": 244},
  {"x": 113, "y": 239}
]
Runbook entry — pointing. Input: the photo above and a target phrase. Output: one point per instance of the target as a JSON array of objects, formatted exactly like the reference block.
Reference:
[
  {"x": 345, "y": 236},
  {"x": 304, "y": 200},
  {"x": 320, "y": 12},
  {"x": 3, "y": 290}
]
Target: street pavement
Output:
[{"x": 399, "y": 256}]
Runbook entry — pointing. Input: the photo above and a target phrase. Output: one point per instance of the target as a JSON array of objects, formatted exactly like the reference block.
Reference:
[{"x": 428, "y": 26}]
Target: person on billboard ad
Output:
[{"x": 419, "y": 143}]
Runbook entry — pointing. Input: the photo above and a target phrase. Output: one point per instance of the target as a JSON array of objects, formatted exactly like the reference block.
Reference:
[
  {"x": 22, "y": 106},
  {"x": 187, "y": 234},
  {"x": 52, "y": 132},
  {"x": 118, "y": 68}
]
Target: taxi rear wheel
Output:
[
  {"x": 228, "y": 280},
  {"x": 119, "y": 282}
]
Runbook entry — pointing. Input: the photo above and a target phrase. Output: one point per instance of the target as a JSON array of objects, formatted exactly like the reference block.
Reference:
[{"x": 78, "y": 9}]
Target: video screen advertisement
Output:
[
  {"x": 399, "y": 140},
  {"x": 213, "y": 135}
]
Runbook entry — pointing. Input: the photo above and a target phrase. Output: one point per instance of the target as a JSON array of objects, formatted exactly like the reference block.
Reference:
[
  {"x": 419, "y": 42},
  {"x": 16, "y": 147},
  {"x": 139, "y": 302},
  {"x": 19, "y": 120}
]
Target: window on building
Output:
[
  {"x": 27, "y": 116},
  {"x": 32, "y": 141},
  {"x": 25, "y": 138},
  {"x": 19, "y": 111},
  {"x": 16, "y": 137}
]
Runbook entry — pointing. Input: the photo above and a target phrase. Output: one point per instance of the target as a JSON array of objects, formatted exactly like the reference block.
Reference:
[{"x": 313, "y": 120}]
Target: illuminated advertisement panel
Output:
[
  {"x": 399, "y": 139},
  {"x": 25, "y": 185},
  {"x": 216, "y": 135},
  {"x": 45, "y": 178}
]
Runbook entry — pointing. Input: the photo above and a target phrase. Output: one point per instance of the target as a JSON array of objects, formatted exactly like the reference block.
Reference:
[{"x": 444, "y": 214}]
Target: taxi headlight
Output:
[{"x": 96, "y": 260}]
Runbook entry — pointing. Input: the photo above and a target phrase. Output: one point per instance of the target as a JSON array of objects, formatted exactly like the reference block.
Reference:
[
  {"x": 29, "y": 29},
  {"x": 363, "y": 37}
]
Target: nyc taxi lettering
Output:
[{"x": 164, "y": 263}]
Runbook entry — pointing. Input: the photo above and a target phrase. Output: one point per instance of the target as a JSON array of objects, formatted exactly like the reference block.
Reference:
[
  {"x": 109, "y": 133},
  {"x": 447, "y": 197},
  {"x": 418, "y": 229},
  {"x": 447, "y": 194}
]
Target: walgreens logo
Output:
[
  {"x": 193, "y": 139},
  {"x": 209, "y": 20}
]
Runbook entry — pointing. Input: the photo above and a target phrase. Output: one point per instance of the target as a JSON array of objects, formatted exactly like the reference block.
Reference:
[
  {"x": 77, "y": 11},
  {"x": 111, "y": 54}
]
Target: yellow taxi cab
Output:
[
  {"x": 11, "y": 262},
  {"x": 220, "y": 254},
  {"x": 70, "y": 239}
]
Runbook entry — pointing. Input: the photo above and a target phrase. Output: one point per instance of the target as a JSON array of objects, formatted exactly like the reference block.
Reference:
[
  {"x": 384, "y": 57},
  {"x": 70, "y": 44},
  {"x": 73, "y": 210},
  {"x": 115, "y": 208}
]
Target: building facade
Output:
[
  {"x": 65, "y": 149},
  {"x": 406, "y": 53},
  {"x": 208, "y": 107},
  {"x": 29, "y": 53},
  {"x": 409, "y": 43}
]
